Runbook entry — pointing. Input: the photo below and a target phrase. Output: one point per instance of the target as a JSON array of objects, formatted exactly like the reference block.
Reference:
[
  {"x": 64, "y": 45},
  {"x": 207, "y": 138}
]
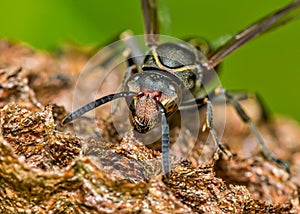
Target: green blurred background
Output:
[{"x": 268, "y": 65}]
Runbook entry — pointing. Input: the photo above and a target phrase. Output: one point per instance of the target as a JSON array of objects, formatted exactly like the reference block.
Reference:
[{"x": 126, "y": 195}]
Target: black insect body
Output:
[
  {"x": 156, "y": 89},
  {"x": 167, "y": 72}
]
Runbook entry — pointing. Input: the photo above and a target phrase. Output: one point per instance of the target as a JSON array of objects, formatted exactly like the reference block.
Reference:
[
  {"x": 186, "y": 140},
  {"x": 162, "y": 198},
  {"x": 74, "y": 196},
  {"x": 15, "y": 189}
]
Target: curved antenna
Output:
[
  {"x": 94, "y": 104},
  {"x": 266, "y": 24},
  {"x": 151, "y": 23},
  {"x": 165, "y": 141}
]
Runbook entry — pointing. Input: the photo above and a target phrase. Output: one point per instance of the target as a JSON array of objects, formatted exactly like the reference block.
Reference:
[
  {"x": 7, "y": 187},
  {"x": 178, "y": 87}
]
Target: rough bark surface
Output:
[{"x": 47, "y": 168}]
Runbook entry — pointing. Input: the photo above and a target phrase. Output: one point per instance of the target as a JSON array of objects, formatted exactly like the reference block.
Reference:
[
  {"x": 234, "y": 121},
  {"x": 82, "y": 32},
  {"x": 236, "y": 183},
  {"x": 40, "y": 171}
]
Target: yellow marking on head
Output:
[{"x": 165, "y": 101}]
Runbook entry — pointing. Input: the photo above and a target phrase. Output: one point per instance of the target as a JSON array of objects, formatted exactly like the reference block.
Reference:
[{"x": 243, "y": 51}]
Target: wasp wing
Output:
[
  {"x": 266, "y": 24},
  {"x": 151, "y": 23}
]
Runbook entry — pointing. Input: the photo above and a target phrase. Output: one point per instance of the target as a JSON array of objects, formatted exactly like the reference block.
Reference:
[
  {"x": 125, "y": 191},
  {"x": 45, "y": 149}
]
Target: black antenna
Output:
[
  {"x": 165, "y": 141},
  {"x": 94, "y": 104}
]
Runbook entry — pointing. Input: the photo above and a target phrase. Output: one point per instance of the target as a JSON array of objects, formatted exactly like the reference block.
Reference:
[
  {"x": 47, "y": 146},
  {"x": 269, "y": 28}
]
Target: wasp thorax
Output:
[
  {"x": 176, "y": 55},
  {"x": 154, "y": 88},
  {"x": 179, "y": 59}
]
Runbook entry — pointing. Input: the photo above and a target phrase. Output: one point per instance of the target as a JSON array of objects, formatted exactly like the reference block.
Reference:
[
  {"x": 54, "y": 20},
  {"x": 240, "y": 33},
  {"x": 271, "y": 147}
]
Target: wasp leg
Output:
[
  {"x": 266, "y": 113},
  {"x": 233, "y": 99},
  {"x": 238, "y": 96},
  {"x": 244, "y": 95},
  {"x": 130, "y": 70},
  {"x": 210, "y": 126},
  {"x": 133, "y": 55},
  {"x": 129, "y": 49},
  {"x": 246, "y": 119},
  {"x": 134, "y": 58},
  {"x": 201, "y": 101},
  {"x": 134, "y": 52}
]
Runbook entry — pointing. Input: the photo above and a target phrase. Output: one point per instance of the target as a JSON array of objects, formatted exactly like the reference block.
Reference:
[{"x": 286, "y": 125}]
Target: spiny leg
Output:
[
  {"x": 233, "y": 100},
  {"x": 129, "y": 48},
  {"x": 201, "y": 103},
  {"x": 134, "y": 58},
  {"x": 131, "y": 70},
  {"x": 210, "y": 126},
  {"x": 112, "y": 55},
  {"x": 266, "y": 113},
  {"x": 246, "y": 119},
  {"x": 134, "y": 54},
  {"x": 245, "y": 95},
  {"x": 238, "y": 96}
]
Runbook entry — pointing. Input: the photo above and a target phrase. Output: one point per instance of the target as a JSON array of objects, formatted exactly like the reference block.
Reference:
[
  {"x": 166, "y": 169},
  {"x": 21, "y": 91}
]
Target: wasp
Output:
[{"x": 155, "y": 90}]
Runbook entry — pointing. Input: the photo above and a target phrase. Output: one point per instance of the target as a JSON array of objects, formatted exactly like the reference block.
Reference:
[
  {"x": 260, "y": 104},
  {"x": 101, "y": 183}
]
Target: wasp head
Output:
[{"x": 153, "y": 90}]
